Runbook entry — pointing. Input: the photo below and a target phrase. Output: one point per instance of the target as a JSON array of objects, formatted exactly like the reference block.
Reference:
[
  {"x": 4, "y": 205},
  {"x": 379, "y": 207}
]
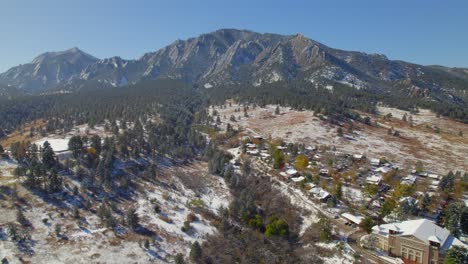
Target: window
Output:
[
  {"x": 404, "y": 253},
  {"x": 418, "y": 257},
  {"x": 411, "y": 254}
]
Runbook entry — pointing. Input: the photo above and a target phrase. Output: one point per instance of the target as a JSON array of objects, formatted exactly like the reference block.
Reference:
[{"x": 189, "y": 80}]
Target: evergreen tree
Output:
[
  {"x": 464, "y": 220},
  {"x": 132, "y": 218},
  {"x": 75, "y": 144},
  {"x": 20, "y": 217},
  {"x": 48, "y": 156},
  {"x": 278, "y": 159},
  {"x": 339, "y": 131},
  {"x": 325, "y": 232},
  {"x": 55, "y": 181},
  {"x": 456, "y": 255},
  {"x": 276, "y": 227},
  {"x": 367, "y": 224},
  {"x": 447, "y": 182},
  {"x": 179, "y": 259},
  {"x": 338, "y": 191},
  {"x": 96, "y": 143},
  {"x": 195, "y": 251}
]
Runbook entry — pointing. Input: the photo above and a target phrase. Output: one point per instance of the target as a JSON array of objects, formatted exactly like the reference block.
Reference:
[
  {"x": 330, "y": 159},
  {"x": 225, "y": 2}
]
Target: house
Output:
[
  {"x": 423, "y": 174},
  {"x": 357, "y": 156},
  {"x": 383, "y": 169},
  {"x": 323, "y": 171},
  {"x": 292, "y": 172},
  {"x": 251, "y": 146},
  {"x": 265, "y": 156},
  {"x": 374, "y": 179},
  {"x": 415, "y": 241},
  {"x": 355, "y": 219},
  {"x": 408, "y": 180},
  {"x": 375, "y": 162},
  {"x": 253, "y": 152},
  {"x": 309, "y": 149},
  {"x": 409, "y": 200},
  {"x": 258, "y": 137},
  {"x": 324, "y": 196},
  {"x": 281, "y": 147},
  {"x": 433, "y": 176},
  {"x": 320, "y": 193},
  {"x": 298, "y": 179},
  {"x": 434, "y": 185}
]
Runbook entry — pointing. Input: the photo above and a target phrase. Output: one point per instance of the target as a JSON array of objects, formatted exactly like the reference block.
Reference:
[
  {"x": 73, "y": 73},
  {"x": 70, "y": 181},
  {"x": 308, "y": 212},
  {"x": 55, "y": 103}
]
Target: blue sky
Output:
[{"x": 420, "y": 31}]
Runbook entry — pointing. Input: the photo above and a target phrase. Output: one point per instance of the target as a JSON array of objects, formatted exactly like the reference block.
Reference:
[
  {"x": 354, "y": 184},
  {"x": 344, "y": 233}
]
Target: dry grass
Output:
[{"x": 22, "y": 134}]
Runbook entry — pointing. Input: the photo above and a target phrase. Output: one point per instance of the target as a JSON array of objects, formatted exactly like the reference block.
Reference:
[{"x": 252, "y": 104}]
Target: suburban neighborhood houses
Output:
[{"x": 387, "y": 212}]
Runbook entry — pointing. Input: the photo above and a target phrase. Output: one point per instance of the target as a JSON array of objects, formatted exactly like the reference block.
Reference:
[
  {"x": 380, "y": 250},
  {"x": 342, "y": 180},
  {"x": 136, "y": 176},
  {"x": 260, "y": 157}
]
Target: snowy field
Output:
[
  {"x": 439, "y": 152},
  {"x": 57, "y": 144}
]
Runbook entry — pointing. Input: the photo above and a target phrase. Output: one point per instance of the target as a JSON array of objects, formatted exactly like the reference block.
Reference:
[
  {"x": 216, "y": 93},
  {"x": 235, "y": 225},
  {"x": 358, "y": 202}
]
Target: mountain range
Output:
[{"x": 230, "y": 56}]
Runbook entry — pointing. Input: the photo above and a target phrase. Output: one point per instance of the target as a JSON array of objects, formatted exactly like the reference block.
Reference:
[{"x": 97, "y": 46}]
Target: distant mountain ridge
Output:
[
  {"x": 231, "y": 56},
  {"x": 48, "y": 70}
]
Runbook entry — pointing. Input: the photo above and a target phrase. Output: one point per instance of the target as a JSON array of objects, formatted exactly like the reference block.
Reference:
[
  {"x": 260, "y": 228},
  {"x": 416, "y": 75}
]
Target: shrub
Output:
[{"x": 276, "y": 226}]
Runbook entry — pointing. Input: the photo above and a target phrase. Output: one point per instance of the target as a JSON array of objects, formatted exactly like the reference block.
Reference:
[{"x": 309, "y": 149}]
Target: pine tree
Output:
[
  {"x": 338, "y": 191},
  {"x": 20, "y": 217},
  {"x": 132, "y": 218},
  {"x": 58, "y": 230},
  {"x": 179, "y": 259},
  {"x": 55, "y": 182},
  {"x": 48, "y": 156},
  {"x": 76, "y": 213},
  {"x": 96, "y": 144},
  {"x": 277, "y": 110},
  {"x": 339, "y": 131},
  {"x": 75, "y": 145},
  {"x": 195, "y": 251}
]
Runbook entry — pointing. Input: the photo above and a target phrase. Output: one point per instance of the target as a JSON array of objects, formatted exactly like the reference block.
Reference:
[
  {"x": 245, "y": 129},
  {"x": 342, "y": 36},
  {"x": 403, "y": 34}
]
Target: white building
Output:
[
  {"x": 415, "y": 241},
  {"x": 374, "y": 179}
]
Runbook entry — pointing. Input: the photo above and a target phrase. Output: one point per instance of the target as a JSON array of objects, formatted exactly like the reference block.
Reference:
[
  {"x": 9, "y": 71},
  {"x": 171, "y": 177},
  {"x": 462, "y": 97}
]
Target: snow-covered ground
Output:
[
  {"x": 89, "y": 241},
  {"x": 353, "y": 194},
  {"x": 439, "y": 152},
  {"x": 343, "y": 255},
  {"x": 7, "y": 167},
  {"x": 57, "y": 144}
]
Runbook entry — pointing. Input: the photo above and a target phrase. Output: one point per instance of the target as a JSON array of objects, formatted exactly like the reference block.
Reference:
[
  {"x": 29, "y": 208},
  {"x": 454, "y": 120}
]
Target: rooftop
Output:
[{"x": 423, "y": 229}]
